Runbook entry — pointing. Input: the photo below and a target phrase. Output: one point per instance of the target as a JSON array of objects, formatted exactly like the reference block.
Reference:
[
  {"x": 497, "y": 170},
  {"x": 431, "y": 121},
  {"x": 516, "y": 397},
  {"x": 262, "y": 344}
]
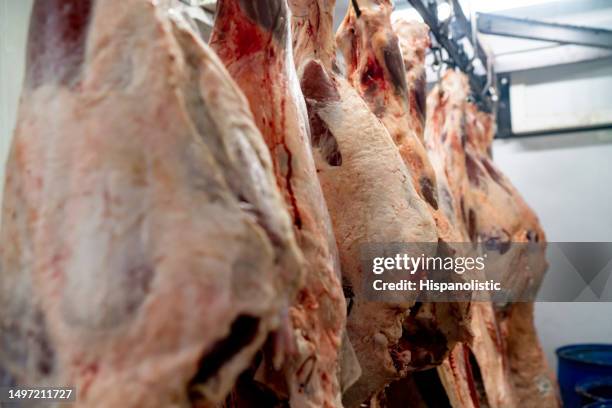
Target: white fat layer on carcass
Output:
[{"x": 358, "y": 142}]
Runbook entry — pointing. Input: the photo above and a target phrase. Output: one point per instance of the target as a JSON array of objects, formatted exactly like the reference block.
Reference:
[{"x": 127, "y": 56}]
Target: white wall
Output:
[
  {"x": 567, "y": 180},
  {"x": 14, "y": 17}
]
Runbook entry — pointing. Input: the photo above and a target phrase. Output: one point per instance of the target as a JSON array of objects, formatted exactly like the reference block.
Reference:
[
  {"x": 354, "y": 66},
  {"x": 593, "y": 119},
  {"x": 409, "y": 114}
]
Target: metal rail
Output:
[{"x": 538, "y": 30}]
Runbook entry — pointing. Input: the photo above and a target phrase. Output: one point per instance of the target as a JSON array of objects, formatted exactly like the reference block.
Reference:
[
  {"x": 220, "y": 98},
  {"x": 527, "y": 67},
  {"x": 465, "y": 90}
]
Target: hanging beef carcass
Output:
[
  {"x": 376, "y": 69},
  {"x": 414, "y": 41},
  {"x": 503, "y": 217},
  {"x": 446, "y": 138},
  {"x": 459, "y": 378},
  {"x": 254, "y": 41},
  {"x": 413, "y": 38},
  {"x": 496, "y": 216},
  {"x": 352, "y": 151},
  {"x": 146, "y": 250}
]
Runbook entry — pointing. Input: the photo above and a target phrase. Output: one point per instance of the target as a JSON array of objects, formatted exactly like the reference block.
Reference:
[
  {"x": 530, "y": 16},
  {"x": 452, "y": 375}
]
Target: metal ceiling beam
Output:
[
  {"x": 557, "y": 8},
  {"x": 541, "y": 31},
  {"x": 547, "y": 57}
]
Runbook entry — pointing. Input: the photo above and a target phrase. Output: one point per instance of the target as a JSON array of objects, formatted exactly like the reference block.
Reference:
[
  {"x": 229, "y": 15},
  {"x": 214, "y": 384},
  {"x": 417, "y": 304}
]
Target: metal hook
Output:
[
  {"x": 438, "y": 62},
  {"x": 356, "y": 7},
  {"x": 489, "y": 83}
]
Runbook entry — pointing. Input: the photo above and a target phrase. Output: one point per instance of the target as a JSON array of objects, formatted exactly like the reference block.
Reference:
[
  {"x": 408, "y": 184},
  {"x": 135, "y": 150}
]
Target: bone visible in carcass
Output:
[
  {"x": 376, "y": 69},
  {"x": 147, "y": 252},
  {"x": 512, "y": 365},
  {"x": 354, "y": 154},
  {"x": 254, "y": 41}
]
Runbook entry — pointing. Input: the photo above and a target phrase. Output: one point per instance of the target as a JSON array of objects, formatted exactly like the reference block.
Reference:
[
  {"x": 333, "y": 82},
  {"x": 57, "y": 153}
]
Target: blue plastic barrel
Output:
[
  {"x": 595, "y": 390},
  {"x": 578, "y": 363},
  {"x": 604, "y": 404}
]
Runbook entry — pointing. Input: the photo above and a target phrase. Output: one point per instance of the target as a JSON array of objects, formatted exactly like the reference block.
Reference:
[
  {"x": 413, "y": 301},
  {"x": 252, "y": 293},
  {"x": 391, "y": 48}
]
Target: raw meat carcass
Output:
[
  {"x": 253, "y": 39},
  {"x": 446, "y": 139},
  {"x": 368, "y": 191},
  {"x": 504, "y": 217},
  {"x": 414, "y": 42},
  {"x": 475, "y": 374},
  {"x": 495, "y": 215},
  {"x": 376, "y": 69},
  {"x": 146, "y": 250}
]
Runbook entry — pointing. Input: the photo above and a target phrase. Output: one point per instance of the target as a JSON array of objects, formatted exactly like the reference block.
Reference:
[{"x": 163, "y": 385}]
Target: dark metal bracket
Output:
[
  {"x": 448, "y": 35},
  {"x": 504, "y": 115},
  {"x": 537, "y": 30}
]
